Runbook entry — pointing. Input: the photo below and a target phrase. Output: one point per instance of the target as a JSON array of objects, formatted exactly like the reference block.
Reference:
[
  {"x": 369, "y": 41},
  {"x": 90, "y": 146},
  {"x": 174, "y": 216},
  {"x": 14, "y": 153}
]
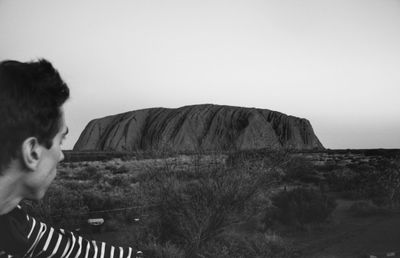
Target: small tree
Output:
[
  {"x": 389, "y": 183},
  {"x": 192, "y": 213}
]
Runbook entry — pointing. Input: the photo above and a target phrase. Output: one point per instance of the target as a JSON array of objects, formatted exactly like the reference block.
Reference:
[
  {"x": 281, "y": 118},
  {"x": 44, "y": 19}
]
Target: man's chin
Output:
[{"x": 36, "y": 197}]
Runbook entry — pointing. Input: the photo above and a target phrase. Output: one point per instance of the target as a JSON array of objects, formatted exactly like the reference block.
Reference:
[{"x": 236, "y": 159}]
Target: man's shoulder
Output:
[
  {"x": 14, "y": 231},
  {"x": 17, "y": 212},
  {"x": 17, "y": 217}
]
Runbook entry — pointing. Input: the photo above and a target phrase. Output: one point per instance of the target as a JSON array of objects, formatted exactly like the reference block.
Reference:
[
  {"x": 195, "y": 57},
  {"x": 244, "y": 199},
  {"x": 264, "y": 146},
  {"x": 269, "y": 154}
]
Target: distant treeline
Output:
[
  {"x": 388, "y": 153},
  {"x": 77, "y": 156}
]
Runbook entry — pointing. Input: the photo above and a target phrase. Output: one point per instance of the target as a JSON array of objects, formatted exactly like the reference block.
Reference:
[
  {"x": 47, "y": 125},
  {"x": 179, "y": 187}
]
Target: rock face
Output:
[{"x": 198, "y": 127}]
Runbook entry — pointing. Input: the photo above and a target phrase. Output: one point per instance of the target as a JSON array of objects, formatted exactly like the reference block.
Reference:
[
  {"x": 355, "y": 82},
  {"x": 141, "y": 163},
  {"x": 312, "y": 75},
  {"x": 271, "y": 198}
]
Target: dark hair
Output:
[{"x": 31, "y": 96}]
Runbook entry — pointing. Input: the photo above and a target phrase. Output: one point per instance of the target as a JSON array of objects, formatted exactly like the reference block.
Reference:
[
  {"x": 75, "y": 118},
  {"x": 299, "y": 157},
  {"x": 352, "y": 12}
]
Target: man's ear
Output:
[{"x": 30, "y": 153}]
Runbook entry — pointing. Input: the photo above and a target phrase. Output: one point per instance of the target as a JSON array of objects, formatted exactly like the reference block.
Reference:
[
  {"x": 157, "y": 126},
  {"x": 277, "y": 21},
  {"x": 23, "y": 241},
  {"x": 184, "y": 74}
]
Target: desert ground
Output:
[{"x": 242, "y": 204}]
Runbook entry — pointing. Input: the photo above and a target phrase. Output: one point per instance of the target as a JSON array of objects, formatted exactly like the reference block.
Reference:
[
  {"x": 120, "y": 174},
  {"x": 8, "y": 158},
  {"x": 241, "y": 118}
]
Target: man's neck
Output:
[{"x": 10, "y": 195}]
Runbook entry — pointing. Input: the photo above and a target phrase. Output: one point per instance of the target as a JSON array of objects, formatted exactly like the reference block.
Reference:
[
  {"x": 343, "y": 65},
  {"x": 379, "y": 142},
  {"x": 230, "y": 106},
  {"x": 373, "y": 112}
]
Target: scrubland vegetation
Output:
[{"x": 223, "y": 205}]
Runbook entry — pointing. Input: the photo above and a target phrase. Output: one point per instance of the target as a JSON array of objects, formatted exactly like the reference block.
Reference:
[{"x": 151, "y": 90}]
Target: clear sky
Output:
[{"x": 334, "y": 62}]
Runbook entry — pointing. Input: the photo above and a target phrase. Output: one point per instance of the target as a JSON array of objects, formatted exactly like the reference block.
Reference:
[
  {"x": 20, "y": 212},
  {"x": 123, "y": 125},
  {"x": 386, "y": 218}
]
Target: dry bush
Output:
[
  {"x": 118, "y": 180},
  {"x": 88, "y": 173},
  {"x": 300, "y": 169},
  {"x": 60, "y": 207},
  {"x": 344, "y": 179},
  {"x": 381, "y": 183},
  {"x": 365, "y": 209},
  {"x": 166, "y": 250},
  {"x": 193, "y": 212},
  {"x": 300, "y": 206},
  {"x": 119, "y": 169},
  {"x": 232, "y": 245},
  {"x": 75, "y": 185}
]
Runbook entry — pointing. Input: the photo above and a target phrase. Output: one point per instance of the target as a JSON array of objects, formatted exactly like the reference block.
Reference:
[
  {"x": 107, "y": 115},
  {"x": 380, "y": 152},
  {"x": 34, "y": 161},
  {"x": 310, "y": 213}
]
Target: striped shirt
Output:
[{"x": 23, "y": 236}]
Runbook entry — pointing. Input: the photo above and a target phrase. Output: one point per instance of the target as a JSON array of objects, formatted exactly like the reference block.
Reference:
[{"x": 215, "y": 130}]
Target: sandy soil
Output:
[
  {"x": 346, "y": 236},
  {"x": 377, "y": 235}
]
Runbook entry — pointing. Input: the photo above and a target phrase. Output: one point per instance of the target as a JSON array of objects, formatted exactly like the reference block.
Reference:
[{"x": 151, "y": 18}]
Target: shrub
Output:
[
  {"x": 302, "y": 205},
  {"x": 389, "y": 182},
  {"x": 119, "y": 170},
  {"x": 166, "y": 250},
  {"x": 326, "y": 167},
  {"x": 95, "y": 200},
  {"x": 192, "y": 213},
  {"x": 382, "y": 184},
  {"x": 73, "y": 185},
  {"x": 118, "y": 181},
  {"x": 73, "y": 165},
  {"x": 344, "y": 179},
  {"x": 89, "y": 173},
  {"x": 365, "y": 209},
  {"x": 60, "y": 207},
  {"x": 302, "y": 170},
  {"x": 263, "y": 159},
  {"x": 234, "y": 245}
]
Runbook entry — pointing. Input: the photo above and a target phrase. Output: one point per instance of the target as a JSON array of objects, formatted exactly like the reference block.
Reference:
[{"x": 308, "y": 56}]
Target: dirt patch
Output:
[{"x": 348, "y": 236}]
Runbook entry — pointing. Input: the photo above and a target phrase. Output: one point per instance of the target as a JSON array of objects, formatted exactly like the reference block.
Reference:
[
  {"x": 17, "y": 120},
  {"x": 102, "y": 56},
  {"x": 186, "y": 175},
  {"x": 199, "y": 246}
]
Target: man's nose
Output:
[{"x": 62, "y": 156}]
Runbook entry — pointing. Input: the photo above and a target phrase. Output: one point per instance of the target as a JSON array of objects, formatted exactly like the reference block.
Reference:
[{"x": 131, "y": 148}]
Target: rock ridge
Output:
[{"x": 205, "y": 127}]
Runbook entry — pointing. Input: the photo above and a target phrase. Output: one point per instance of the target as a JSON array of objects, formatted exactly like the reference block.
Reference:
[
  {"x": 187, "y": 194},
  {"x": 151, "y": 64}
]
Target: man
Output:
[{"x": 32, "y": 128}]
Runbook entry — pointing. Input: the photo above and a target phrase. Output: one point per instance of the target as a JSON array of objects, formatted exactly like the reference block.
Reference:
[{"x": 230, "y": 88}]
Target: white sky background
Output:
[{"x": 334, "y": 62}]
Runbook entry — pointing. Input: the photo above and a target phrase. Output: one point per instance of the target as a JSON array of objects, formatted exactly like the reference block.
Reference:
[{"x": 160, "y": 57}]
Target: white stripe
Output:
[
  {"x": 130, "y": 252},
  {"x": 80, "y": 247},
  {"x": 32, "y": 248},
  {"x": 103, "y": 246},
  {"x": 121, "y": 252},
  {"x": 87, "y": 250},
  {"x": 40, "y": 238},
  {"x": 33, "y": 226},
  {"x": 95, "y": 249},
  {"x": 48, "y": 239},
  {"x": 66, "y": 249},
  {"x": 72, "y": 246},
  {"x": 56, "y": 247},
  {"x": 112, "y": 252}
]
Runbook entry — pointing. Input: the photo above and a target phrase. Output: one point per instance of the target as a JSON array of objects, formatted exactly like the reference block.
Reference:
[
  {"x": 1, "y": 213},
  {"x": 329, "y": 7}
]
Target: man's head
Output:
[{"x": 31, "y": 121}]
